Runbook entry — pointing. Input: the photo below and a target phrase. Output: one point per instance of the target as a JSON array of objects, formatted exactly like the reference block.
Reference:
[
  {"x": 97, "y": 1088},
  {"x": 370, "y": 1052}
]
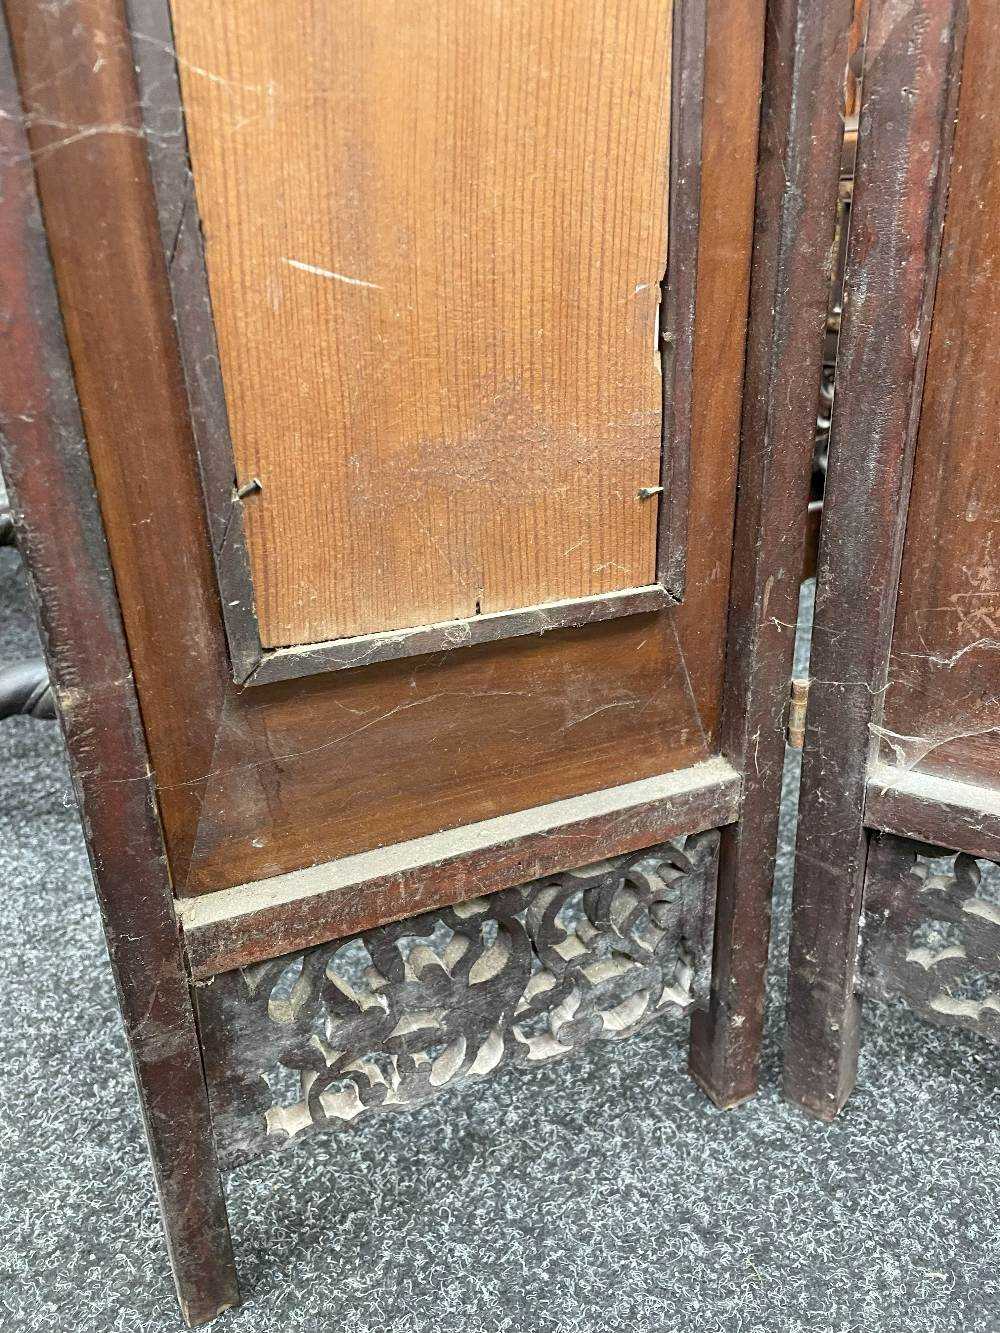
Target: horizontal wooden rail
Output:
[
  {"x": 251, "y": 922},
  {"x": 930, "y": 808}
]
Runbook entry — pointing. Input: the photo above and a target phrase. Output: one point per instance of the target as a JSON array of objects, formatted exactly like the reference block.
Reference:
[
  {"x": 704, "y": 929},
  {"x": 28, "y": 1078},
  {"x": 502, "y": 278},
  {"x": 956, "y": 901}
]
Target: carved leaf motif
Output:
[
  {"x": 931, "y": 934},
  {"x": 397, "y": 1015}
]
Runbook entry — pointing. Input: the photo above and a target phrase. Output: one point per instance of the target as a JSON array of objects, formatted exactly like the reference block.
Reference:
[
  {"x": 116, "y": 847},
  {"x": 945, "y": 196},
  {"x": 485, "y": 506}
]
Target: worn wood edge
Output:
[
  {"x": 62, "y": 540},
  {"x": 929, "y": 808},
  {"x": 251, "y": 922},
  {"x": 805, "y": 45},
  {"x": 880, "y": 371},
  {"x": 165, "y": 137},
  {"x": 678, "y": 300},
  {"x": 366, "y": 649}
]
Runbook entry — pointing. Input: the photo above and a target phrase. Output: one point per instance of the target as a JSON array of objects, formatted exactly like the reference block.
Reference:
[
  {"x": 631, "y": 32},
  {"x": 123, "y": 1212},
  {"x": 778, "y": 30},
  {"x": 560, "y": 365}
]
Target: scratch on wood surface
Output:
[
  {"x": 950, "y": 661},
  {"x": 329, "y": 273}
]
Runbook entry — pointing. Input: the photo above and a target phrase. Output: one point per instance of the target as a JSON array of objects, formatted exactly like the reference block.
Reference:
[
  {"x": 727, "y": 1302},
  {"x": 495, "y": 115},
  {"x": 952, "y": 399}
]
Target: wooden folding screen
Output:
[
  {"x": 409, "y": 414},
  {"x": 899, "y": 815}
]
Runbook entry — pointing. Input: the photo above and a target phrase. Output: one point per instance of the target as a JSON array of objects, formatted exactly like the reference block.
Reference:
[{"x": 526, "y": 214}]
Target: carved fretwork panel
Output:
[
  {"x": 931, "y": 934},
  {"x": 391, "y": 1018}
]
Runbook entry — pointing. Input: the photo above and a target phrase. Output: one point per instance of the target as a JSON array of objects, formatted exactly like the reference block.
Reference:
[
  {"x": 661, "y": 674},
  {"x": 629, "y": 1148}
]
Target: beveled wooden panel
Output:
[
  {"x": 434, "y": 238},
  {"x": 943, "y": 702},
  {"x": 250, "y": 783}
]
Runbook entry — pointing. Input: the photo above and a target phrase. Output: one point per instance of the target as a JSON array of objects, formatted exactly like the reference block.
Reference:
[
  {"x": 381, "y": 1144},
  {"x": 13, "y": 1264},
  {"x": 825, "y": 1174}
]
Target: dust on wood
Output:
[
  {"x": 435, "y": 236},
  {"x": 942, "y": 709}
]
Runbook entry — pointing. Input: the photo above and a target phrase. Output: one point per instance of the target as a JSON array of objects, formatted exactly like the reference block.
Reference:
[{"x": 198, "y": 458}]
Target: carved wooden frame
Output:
[
  {"x": 156, "y": 942},
  {"x": 525, "y": 976},
  {"x": 180, "y": 234},
  {"x": 927, "y": 932}
]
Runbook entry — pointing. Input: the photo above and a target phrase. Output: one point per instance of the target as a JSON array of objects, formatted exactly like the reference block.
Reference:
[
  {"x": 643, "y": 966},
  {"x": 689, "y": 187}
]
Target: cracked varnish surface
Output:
[{"x": 434, "y": 238}]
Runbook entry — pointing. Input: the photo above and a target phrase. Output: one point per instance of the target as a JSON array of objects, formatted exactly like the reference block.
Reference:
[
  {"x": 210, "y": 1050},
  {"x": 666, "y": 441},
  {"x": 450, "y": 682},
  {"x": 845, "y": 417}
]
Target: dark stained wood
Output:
[
  {"x": 678, "y": 292},
  {"x": 929, "y": 808},
  {"x": 366, "y": 649},
  {"x": 445, "y": 999},
  {"x": 731, "y": 114},
  {"x": 390, "y": 764},
  {"x": 253, "y": 783},
  {"x": 909, "y": 88},
  {"x": 46, "y": 467},
  {"x": 76, "y": 71},
  {"x": 805, "y": 57},
  {"x": 162, "y": 120},
  {"x": 930, "y": 939},
  {"x": 248, "y": 924},
  {"x": 942, "y": 705}
]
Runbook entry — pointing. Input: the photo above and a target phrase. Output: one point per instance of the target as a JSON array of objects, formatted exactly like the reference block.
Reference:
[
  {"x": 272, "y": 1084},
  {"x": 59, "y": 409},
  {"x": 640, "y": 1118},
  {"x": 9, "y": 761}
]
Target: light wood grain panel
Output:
[
  {"x": 434, "y": 238},
  {"x": 251, "y": 782},
  {"x": 942, "y": 709}
]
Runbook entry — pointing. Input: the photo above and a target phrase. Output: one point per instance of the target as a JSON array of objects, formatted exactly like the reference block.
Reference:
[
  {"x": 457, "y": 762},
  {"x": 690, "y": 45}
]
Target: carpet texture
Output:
[{"x": 603, "y": 1193}]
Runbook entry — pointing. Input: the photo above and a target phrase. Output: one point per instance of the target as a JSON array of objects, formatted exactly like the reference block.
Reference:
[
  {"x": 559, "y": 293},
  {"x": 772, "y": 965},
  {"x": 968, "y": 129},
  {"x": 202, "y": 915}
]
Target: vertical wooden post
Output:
[
  {"x": 60, "y": 534},
  {"x": 907, "y": 114},
  {"x": 805, "y": 57}
]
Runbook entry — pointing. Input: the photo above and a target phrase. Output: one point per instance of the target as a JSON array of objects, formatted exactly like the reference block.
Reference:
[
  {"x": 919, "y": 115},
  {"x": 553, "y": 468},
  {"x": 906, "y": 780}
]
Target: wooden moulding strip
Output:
[
  {"x": 929, "y": 808},
  {"x": 365, "y": 649},
  {"x": 251, "y": 922}
]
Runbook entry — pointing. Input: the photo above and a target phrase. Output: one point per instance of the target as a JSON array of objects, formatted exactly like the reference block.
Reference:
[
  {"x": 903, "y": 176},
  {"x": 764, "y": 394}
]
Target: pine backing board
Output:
[{"x": 434, "y": 239}]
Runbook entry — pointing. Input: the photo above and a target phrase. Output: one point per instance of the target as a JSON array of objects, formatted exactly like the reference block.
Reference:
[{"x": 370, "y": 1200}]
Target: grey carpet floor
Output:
[{"x": 600, "y": 1194}]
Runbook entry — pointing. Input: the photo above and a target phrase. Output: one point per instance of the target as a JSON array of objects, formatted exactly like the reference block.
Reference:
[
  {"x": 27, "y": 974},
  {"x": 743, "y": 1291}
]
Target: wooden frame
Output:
[
  {"x": 165, "y": 931},
  {"x": 801, "y": 131},
  {"x": 909, "y": 99},
  {"x": 231, "y": 763},
  {"x": 250, "y": 922},
  {"x": 928, "y": 808},
  {"x": 59, "y": 532},
  {"x": 634, "y": 947},
  {"x": 181, "y": 237}
]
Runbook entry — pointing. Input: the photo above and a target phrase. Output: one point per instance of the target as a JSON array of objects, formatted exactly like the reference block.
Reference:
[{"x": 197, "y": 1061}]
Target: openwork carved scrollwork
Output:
[
  {"x": 387, "y": 1020},
  {"x": 931, "y": 934}
]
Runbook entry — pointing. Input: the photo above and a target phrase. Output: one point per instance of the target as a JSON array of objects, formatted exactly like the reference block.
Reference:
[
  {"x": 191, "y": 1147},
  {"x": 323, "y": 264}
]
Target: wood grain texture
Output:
[
  {"x": 434, "y": 238},
  {"x": 735, "y": 34},
  {"x": 909, "y": 94},
  {"x": 59, "y": 535},
  {"x": 942, "y": 709},
  {"x": 800, "y": 138},
  {"x": 251, "y": 922},
  {"x": 257, "y": 782}
]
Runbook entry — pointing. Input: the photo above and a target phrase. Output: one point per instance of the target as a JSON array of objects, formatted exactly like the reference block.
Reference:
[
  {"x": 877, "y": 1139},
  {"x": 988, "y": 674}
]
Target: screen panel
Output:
[
  {"x": 942, "y": 711},
  {"x": 434, "y": 240},
  {"x": 257, "y": 782}
]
